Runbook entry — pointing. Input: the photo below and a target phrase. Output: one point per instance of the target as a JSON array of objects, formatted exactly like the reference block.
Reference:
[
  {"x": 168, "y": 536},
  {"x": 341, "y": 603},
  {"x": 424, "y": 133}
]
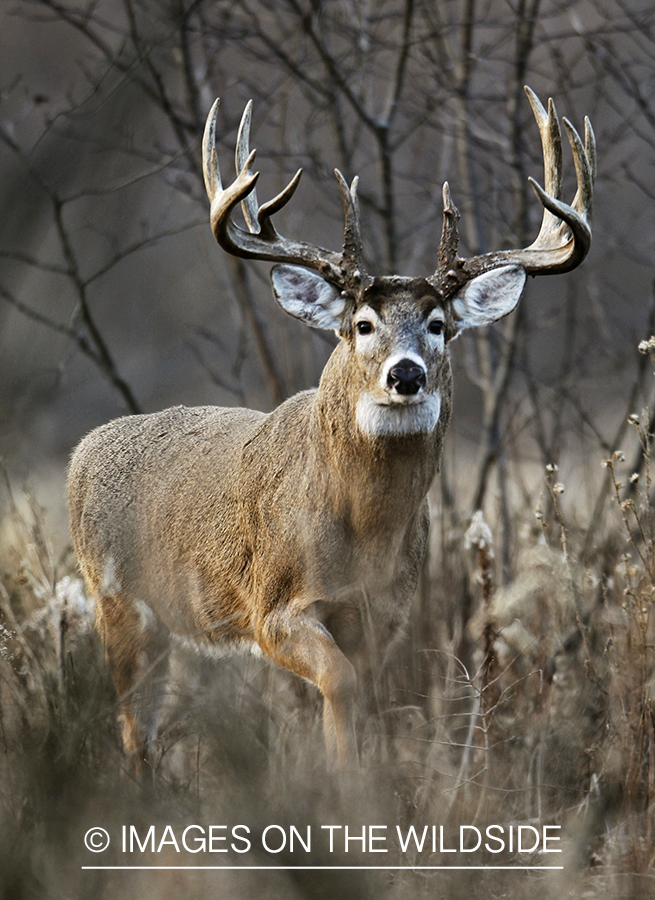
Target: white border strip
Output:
[{"x": 314, "y": 868}]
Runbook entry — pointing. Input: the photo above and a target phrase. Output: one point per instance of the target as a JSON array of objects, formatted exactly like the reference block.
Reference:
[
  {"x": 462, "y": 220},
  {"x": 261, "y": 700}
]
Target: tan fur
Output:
[
  {"x": 291, "y": 530},
  {"x": 303, "y": 531}
]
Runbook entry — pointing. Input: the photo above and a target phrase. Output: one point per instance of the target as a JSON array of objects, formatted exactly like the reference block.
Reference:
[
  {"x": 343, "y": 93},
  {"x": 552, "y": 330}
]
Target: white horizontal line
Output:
[{"x": 314, "y": 868}]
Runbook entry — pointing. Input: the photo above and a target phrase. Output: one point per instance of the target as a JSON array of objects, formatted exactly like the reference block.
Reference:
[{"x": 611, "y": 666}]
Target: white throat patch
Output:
[{"x": 411, "y": 417}]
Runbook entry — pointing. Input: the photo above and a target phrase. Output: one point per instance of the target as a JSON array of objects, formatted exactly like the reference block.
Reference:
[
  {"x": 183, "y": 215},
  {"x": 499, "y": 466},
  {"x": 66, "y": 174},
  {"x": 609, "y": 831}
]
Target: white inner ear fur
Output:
[
  {"x": 307, "y": 296},
  {"x": 489, "y": 297}
]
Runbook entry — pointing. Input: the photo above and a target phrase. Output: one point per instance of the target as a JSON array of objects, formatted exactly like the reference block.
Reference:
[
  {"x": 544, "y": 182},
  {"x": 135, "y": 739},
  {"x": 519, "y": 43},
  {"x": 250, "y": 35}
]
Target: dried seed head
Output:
[{"x": 479, "y": 534}]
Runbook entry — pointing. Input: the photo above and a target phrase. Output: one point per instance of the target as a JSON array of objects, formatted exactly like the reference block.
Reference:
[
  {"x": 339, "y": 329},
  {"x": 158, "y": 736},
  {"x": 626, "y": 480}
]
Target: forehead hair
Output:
[
  {"x": 397, "y": 288},
  {"x": 384, "y": 292}
]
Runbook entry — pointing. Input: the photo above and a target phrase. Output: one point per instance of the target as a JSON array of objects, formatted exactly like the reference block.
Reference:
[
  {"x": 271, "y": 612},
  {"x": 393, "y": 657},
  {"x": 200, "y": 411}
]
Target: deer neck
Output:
[{"x": 369, "y": 476}]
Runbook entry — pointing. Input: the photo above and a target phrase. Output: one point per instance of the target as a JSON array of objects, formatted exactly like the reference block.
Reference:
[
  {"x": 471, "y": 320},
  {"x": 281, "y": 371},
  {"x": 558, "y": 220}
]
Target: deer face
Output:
[
  {"x": 391, "y": 325},
  {"x": 397, "y": 341},
  {"x": 397, "y": 331}
]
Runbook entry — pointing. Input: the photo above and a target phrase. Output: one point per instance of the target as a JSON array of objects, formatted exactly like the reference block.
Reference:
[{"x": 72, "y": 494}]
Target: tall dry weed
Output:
[{"x": 535, "y": 706}]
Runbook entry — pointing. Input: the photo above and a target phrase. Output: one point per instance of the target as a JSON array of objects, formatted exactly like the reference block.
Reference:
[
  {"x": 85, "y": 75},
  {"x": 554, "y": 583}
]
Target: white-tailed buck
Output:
[{"x": 300, "y": 533}]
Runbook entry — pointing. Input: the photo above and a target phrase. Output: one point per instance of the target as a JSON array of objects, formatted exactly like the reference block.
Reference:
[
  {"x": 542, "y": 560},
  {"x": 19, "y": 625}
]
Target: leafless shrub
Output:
[
  {"x": 547, "y": 717},
  {"x": 549, "y": 721}
]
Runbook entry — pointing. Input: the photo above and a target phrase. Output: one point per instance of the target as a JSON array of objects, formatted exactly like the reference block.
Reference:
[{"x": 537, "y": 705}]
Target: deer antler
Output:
[
  {"x": 565, "y": 234},
  {"x": 262, "y": 240}
]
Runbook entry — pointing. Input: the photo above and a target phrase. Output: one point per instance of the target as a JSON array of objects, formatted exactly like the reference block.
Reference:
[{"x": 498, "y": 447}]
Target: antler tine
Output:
[
  {"x": 584, "y": 159},
  {"x": 352, "y": 253},
  {"x": 576, "y": 238},
  {"x": 242, "y": 160},
  {"x": 449, "y": 242},
  {"x": 258, "y": 218},
  {"x": 223, "y": 200},
  {"x": 590, "y": 147},
  {"x": 551, "y": 142},
  {"x": 551, "y": 145},
  {"x": 210, "y": 168},
  {"x": 268, "y": 209},
  {"x": 261, "y": 240},
  {"x": 565, "y": 234}
]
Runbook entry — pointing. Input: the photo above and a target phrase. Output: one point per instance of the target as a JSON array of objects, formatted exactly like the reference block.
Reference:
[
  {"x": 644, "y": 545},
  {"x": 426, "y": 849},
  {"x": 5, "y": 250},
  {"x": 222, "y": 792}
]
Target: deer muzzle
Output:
[{"x": 407, "y": 377}]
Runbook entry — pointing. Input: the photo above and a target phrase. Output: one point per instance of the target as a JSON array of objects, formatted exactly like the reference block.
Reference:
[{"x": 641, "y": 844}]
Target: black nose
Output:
[{"x": 406, "y": 377}]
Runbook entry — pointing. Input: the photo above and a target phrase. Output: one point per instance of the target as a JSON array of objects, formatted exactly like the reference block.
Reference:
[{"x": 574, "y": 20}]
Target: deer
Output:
[{"x": 299, "y": 534}]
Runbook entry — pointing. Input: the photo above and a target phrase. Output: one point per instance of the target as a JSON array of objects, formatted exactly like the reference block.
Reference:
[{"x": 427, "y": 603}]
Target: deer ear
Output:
[
  {"x": 307, "y": 296},
  {"x": 488, "y": 297}
]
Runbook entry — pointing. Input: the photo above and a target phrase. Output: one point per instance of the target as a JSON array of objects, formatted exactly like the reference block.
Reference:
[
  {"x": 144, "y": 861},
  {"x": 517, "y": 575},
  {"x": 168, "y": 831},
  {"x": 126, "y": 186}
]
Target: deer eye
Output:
[
  {"x": 364, "y": 327},
  {"x": 435, "y": 326}
]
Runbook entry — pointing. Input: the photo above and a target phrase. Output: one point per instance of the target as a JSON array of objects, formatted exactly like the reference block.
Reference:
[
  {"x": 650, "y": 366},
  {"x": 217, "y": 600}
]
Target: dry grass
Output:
[{"x": 537, "y": 707}]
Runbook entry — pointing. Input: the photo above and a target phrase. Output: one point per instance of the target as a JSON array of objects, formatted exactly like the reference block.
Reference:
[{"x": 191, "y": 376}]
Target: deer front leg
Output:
[
  {"x": 136, "y": 647},
  {"x": 303, "y": 646}
]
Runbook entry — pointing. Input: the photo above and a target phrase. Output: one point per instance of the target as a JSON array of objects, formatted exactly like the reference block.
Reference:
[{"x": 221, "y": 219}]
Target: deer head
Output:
[
  {"x": 396, "y": 328},
  {"x": 302, "y": 532}
]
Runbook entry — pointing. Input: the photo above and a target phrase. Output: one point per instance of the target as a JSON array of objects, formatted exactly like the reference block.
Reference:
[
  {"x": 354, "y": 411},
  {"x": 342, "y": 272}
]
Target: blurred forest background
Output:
[{"x": 114, "y": 298}]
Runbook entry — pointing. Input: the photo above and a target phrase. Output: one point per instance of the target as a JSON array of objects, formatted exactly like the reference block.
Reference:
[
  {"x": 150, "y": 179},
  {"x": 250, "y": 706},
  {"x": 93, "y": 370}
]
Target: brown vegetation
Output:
[
  {"x": 541, "y": 713},
  {"x": 523, "y": 692}
]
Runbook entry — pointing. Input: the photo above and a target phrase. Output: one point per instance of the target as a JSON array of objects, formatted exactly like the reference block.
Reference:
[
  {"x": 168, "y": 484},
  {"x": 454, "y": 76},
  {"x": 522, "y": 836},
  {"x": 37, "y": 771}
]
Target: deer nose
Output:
[{"x": 406, "y": 377}]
